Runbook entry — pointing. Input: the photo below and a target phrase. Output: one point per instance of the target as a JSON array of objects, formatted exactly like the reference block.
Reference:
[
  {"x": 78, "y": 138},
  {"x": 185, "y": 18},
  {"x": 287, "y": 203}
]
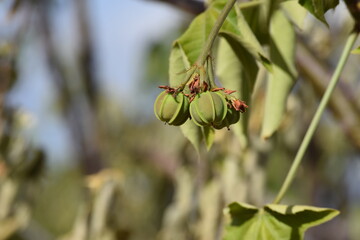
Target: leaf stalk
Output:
[
  {"x": 316, "y": 119},
  {"x": 214, "y": 32}
]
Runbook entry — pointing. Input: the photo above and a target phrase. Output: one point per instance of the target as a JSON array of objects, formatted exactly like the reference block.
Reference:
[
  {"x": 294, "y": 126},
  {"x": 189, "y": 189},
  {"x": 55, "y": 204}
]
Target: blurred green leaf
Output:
[
  {"x": 193, "y": 133},
  {"x": 282, "y": 50},
  {"x": 273, "y": 221},
  {"x": 318, "y": 8},
  {"x": 356, "y": 51},
  {"x": 209, "y": 134},
  {"x": 237, "y": 70}
]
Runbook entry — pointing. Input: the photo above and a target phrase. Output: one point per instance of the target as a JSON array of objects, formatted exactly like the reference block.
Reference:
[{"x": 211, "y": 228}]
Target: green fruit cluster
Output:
[{"x": 206, "y": 108}]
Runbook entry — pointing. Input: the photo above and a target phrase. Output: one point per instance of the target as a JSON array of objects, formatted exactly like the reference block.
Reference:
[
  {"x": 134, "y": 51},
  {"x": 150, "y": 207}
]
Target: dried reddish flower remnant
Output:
[
  {"x": 227, "y": 91},
  {"x": 217, "y": 89},
  {"x": 239, "y": 105},
  {"x": 194, "y": 86},
  {"x": 168, "y": 89}
]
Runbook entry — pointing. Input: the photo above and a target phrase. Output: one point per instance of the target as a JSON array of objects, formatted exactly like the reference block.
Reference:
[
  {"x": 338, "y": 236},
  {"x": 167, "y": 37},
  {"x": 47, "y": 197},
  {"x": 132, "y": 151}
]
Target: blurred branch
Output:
[
  {"x": 164, "y": 162},
  {"x": 191, "y": 6},
  {"x": 86, "y": 56},
  {"x": 77, "y": 112},
  {"x": 34, "y": 230},
  {"x": 342, "y": 103}
]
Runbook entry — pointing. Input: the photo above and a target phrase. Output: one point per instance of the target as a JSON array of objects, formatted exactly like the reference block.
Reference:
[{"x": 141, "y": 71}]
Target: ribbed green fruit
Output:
[
  {"x": 170, "y": 109},
  {"x": 208, "y": 108},
  {"x": 232, "y": 116}
]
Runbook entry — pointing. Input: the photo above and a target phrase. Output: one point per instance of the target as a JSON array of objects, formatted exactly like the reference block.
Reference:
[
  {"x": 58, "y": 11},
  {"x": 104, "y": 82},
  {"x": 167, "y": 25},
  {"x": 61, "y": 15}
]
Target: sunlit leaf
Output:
[
  {"x": 318, "y": 8},
  {"x": 282, "y": 50},
  {"x": 273, "y": 221},
  {"x": 295, "y": 12}
]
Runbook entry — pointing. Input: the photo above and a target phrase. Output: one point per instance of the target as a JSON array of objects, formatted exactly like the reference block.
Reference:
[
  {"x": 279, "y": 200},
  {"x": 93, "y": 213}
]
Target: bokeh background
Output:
[{"x": 83, "y": 156}]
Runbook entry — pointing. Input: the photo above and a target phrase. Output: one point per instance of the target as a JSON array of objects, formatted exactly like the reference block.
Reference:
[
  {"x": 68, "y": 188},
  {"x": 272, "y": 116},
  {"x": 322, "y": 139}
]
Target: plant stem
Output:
[
  {"x": 316, "y": 119},
  {"x": 210, "y": 71},
  {"x": 214, "y": 31}
]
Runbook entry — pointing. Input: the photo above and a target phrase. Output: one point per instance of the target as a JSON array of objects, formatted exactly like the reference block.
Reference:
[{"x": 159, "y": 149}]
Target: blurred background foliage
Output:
[{"x": 83, "y": 157}]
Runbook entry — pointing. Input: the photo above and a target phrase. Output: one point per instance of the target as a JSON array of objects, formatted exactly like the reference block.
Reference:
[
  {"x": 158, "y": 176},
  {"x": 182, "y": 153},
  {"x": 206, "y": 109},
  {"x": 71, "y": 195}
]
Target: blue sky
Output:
[{"x": 124, "y": 30}]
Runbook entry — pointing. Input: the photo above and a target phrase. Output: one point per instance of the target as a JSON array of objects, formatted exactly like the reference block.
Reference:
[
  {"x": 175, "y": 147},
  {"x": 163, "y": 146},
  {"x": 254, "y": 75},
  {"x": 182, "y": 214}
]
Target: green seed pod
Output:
[
  {"x": 232, "y": 117},
  {"x": 208, "y": 108},
  {"x": 170, "y": 109}
]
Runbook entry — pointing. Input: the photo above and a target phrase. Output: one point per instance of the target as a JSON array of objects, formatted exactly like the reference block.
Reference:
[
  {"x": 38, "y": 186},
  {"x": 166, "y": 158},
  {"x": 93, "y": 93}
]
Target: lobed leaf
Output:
[{"x": 274, "y": 221}]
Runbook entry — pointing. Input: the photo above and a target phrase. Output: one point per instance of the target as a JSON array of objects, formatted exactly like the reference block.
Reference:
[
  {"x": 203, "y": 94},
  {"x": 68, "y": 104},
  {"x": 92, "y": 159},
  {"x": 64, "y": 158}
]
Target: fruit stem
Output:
[
  {"x": 316, "y": 119},
  {"x": 188, "y": 78},
  {"x": 202, "y": 75},
  {"x": 214, "y": 31},
  {"x": 210, "y": 72}
]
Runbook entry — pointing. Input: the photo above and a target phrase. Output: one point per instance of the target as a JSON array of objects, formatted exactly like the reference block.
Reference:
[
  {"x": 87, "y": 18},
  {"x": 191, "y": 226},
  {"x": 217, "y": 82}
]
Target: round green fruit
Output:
[
  {"x": 208, "y": 108},
  {"x": 232, "y": 116},
  {"x": 170, "y": 109}
]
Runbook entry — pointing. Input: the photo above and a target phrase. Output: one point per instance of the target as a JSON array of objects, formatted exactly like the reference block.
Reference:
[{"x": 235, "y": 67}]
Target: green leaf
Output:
[
  {"x": 274, "y": 221},
  {"x": 237, "y": 70},
  {"x": 282, "y": 51},
  {"x": 193, "y": 133},
  {"x": 194, "y": 38},
  {"x": 178, "y": 63},
  {"x": 318, "y": 8},
  {"x": 295, "y": 12},
  {"x": 356, "y": 51},
  {"x": 244, "y": 37},
  {"x": 259, "y": 19},
  {"x": 188, "y": 47}
]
